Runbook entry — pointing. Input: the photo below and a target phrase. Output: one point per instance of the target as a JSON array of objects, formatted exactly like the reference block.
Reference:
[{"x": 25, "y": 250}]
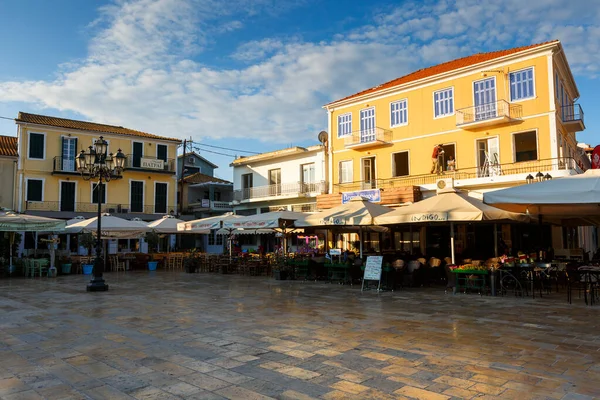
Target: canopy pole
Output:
[
  {"x": 360, "y": 237},
  {"x": 452, "y": 241},
  {"x": 410, "y": 232},
  {"x": 495, "y": 240}
]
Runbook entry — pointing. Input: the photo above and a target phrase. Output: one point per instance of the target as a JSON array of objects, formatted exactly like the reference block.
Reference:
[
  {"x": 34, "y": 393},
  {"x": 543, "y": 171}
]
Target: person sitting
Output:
[{"x": 451, "y": 164}]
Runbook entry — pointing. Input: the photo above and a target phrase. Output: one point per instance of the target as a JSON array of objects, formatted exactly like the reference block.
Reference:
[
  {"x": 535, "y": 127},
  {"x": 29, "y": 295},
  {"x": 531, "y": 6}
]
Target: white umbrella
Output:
[
  {"x": 167, "y": 224},
  {"x": 112, "y": 227},
  {"x": 448, "y": 207},
  {"x": 205, "y": 225}
]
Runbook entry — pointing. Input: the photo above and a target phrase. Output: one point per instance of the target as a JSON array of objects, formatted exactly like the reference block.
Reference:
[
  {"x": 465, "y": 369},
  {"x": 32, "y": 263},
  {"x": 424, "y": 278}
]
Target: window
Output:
[
  {"x": 161, "y": 152},
  {"x": 95, "y": 193},
  {"x": 346, "y": 173},
  {"x": 399, "y": 112},
  {"x": 308, "y": 173},
  {"x": 246, "y": 185},
  {"x": 525, "y": 146},
  {"x": 400, "y": 164},
  {"x": 138, "y": 149},
  {"x": 36, "y": 145},
  {"x": 275, "y": 182},
  {"x": 556, "y": 83},
  {"x": 137, "y": 196},
  {"x": 160, "y": 197},
  {"x": 35, "y": 189},
  {"x": 521, "y": 84},
  {"x": 367, "y": 125},
  {"x": 368, "y": 173},
  {"x": 211, "y": 238},
  {"x": 443, "y": 102},
  {"x": 219, "y": 240},
  {"x": 344, "y": 125}
]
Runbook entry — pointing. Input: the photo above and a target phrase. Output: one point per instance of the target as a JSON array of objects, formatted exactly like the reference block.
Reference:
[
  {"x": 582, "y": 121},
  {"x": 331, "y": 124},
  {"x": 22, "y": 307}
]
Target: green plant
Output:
[
  {"x": 87, "y": 240},
  {"x": 152, "y": 239}
]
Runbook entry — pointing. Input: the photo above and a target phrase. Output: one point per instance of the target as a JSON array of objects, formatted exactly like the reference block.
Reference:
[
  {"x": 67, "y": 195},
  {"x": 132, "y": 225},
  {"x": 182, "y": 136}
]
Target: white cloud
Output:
[{"x": 145, "y": 66}]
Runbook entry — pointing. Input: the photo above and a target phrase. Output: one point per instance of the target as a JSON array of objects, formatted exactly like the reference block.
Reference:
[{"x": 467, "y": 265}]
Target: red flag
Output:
[{"x": 596, "y": 157}]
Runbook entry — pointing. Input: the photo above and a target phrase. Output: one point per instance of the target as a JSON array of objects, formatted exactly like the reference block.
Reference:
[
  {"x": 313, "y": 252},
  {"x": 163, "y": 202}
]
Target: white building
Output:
[{"x": 290, "y": 178}]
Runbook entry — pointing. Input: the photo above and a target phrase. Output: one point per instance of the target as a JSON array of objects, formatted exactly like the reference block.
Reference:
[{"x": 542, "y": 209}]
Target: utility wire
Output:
[
  {"x": 10, "y": 119},
  {"x": 214, "y": 152},
  {"x": 226, "y": 148}
]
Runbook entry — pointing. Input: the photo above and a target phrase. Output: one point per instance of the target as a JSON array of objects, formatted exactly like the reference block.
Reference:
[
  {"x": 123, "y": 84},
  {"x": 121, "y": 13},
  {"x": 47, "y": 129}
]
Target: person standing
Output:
[{"x": 435, "y": 161}]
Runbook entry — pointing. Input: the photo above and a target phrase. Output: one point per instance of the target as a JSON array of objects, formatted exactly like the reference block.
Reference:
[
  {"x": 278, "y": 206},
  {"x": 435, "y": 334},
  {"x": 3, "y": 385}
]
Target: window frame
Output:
[
  {"x": 29, "y": 145},
  {"x": 143, "y": 194},
  {"x": 92, "y": 184},
  {"x": 166, "y": 198},
  {"x": 27, "y": 189},
  {"x": 405, "y": 101},
  {"x": 533, "y": 95},
  {"x": 166, "y": 151},
  {"x": 349, "y": 122},
  {"x": 302, "y": 172},
  {"x": 514, "y": 145},
  {"x": 394, "y": 163},
  {"x": 451, "y": 88},
  {"x": 340, "y": 171}
]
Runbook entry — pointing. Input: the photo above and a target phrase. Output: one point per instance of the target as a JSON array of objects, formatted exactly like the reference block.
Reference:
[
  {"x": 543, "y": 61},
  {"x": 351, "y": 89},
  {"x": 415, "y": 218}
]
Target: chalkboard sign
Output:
[
  {"x": 373, "y": 270},
  {"x": 335, "y": 252}
]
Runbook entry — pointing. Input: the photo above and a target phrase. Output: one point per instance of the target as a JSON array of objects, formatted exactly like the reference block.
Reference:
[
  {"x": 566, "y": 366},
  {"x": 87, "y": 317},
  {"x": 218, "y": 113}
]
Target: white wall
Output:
[{"x": 290, "y": 165}]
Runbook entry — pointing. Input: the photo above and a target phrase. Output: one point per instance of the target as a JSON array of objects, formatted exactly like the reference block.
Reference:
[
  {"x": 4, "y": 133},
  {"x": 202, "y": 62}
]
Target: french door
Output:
[
  {"x": 485, "y": 99},
  {"x": 369, "y": 180},
  {"x": 488, "y": 159},
  {"x": 69, "y": 152},
  {"x": 367, "y": 125},
  {"x": 275, "y": 182},
  {"x": 67, "y": 196},
  {"x": 137, "y": 196},
  {"x": 138, "y": 149}
]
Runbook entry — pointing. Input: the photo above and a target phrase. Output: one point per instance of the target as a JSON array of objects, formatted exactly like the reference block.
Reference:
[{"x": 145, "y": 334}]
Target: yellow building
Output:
[
  {"x": 499, "y": 117},
  {"x": 48, "y": 184}
]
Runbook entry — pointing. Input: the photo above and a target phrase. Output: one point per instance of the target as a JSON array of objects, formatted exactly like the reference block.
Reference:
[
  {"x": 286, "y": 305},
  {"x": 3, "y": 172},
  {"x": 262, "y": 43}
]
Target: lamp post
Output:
[
  {"x": 529, "y": 179},
  {"x": 96, "y": 164}
]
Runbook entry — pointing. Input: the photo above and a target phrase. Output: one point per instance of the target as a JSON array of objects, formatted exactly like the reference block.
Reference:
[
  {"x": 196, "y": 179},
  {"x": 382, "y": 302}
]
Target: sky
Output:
[{"x": 253, "y": 75}]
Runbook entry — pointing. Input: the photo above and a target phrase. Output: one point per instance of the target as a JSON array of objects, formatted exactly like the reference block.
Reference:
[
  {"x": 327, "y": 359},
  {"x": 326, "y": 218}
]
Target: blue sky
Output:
[{"x": 253, "y": 74}]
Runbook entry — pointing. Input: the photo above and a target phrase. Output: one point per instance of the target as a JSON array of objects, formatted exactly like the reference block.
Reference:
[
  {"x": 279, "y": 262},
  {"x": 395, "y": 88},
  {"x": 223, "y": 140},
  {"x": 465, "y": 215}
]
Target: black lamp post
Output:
[
  {"x": 97, "y": 164},
  {"x": 539, "y": 176},
  {"x": 529, "y": 178}
]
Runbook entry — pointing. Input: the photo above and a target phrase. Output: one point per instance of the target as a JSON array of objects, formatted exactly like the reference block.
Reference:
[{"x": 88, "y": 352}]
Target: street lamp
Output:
[
  {"x": 547, "y": 177},
  {"x": 529, "y": 178},
  {"x": 539, "y": 176},
  {"x": 96, "y": 164}
]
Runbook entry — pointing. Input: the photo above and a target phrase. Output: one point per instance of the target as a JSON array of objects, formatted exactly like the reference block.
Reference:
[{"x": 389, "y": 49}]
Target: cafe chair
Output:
[{"x": 116, "y": 265}]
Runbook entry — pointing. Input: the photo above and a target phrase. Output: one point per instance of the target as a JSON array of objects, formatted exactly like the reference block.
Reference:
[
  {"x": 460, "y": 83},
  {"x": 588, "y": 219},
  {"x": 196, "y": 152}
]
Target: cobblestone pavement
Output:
[{"x": 204, "y": 336}]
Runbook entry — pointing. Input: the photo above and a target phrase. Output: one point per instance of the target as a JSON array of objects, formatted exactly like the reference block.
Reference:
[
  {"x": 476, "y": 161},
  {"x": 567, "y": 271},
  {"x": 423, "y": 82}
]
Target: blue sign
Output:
[{"x": 373, "y": 195}]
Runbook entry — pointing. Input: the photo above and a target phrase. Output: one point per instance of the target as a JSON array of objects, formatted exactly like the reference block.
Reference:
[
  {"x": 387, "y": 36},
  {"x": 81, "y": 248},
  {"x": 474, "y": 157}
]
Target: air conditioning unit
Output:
[
  {"x": 191, "y": 160},
  {"x": 444, "y": 185},
  {"x": 124, "y": 210}
]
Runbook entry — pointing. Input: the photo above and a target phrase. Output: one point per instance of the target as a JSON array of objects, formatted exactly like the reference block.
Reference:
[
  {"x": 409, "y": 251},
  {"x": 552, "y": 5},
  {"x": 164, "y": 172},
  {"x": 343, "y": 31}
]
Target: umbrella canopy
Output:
[
  {"x": 273, "y": 219},
  {"x": 205, "y": 225},
  {"x": 357, "y": 212},
  {"x": 11, "y": 221},
  {"x": 167, "y": 224},
  {"x": 226, "y": 231},
  {"x": 112, "y": 227},
  {"x": 572, "y": 196},
  {"x": 453, "y": 207}
]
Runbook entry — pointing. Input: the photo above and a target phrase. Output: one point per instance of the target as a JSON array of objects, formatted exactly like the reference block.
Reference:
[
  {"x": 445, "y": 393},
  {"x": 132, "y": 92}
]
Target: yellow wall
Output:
[
  {"x": 117, "y": 190},
  {"x": 423, "y": 131}
]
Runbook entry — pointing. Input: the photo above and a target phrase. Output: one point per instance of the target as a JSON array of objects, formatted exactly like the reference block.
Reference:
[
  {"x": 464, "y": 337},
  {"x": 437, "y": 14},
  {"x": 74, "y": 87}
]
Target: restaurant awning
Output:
[
  {"x": 167, "y": 224},
  {"x": 112, "y": 227},
  {"x": 205, "y": 225}
]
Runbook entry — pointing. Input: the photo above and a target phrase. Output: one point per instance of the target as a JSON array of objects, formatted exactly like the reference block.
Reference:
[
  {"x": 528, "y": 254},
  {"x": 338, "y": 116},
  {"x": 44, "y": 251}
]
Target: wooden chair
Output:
[{"x": 116, "y": 265}]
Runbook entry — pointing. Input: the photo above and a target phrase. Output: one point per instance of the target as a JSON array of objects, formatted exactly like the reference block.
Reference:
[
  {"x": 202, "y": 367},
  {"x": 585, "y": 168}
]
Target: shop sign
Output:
[
  {"x": 372, "y": 195},
  {"x": 152, "y": 163}
]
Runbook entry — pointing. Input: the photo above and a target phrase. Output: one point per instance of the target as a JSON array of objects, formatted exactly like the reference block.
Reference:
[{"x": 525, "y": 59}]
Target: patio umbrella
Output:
[
  {"x": 449, "y": 207},
  {"x": 205, "y": 225},
  {"x": 12, "y": 222},
  {"x": 574, "y": 198},
  {"x": 112, "y": 227},
  {"x": 358, "y": 212},
  {"x": 167, "y": 224}
]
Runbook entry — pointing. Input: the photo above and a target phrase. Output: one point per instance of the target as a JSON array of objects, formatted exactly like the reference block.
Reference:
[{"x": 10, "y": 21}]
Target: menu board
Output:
[{"x": 372, "y": 269}]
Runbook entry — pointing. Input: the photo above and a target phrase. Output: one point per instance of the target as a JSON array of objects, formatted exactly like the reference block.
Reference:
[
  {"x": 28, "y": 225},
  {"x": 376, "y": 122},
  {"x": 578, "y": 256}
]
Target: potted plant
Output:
[
  {"x": 152, "y": 239},
  {"x": 191, "y": 263},
  {"x": 87, "y": 240},
  {"x": 280, "y": 270},
  {"x": 65, "y": 265}
]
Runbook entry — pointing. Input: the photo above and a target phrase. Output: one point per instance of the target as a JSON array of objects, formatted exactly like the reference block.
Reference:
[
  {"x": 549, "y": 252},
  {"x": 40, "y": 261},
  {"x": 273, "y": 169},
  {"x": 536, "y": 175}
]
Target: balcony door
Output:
[
  {"x": 488, "y": 160},
  {"x": 67, "y": 196},
  {"x": 69, "y": 152},
  {"x": 369, "y": 177},
  {"x": 484, "y": 92},
  {"x": 275, "y": 182},
  {"x": 367, "y": 125},
  {"x": 137, "y": 196},
  {"x": 246, "y": 186},
  {"x": 138, "y": 149},
  {"x": 308, "y": 178}
]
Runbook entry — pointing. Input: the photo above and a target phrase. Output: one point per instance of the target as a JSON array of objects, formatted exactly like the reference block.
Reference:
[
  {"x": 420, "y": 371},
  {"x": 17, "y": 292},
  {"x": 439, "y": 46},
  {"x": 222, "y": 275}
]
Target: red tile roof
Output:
[
  {"x": 199, "y": 177},
  {"x": 8, "y": 146},
  {"x": 85, "y": 126},
  {"x": 445, "y": 67}
]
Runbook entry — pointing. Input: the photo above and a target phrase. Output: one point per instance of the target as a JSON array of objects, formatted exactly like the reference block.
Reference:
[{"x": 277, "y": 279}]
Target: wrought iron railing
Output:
[
  {"x": 368, "y": 136},
  {"x": 484, "y": 112},
  {"x": 212, "y": 204},
  {"x": 150, "y": 163},
  {"x": 571, "y": 113},
  {"x": 279, "y": 190},
  {"x": 83, "y": 207},
  {"x": 534, "y": 166},
  {"x": 64, "y": 164}
]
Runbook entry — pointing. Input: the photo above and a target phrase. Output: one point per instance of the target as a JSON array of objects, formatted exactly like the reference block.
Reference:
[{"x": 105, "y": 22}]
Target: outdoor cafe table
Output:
[{"x": 590, "y": 275}]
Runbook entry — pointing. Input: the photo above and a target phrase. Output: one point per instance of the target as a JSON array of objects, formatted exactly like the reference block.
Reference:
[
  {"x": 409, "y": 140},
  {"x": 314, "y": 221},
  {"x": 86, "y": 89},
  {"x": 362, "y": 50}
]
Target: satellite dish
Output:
[{"x": 323, "y": 136}]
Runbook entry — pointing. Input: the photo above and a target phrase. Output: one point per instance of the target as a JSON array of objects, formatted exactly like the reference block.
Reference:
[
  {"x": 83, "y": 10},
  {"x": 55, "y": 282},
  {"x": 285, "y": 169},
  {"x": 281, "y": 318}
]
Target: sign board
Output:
[
  {"x": 205, "y": 203},
  {"x": 335, "y": 252},
  {"x": 372, "y": 270},
  {"x": 333, "y": 221},
  {"x": 373, "y": 195},
  {"x": 429, "y": 217},
  {"x": 596, "y": 157},
  {"x": 152, "y": 163}
]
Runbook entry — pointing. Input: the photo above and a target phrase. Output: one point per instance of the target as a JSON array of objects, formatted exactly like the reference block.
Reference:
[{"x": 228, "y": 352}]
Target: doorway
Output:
[
  {"x": 484, "y": 92},
  {"x": 369, "y": 175},
  {"x": 488, "y": 160}
]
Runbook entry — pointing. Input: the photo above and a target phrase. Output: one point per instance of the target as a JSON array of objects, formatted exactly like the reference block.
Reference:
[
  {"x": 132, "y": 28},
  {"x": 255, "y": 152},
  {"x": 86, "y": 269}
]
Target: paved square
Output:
[{"x": 205, "y": 336}]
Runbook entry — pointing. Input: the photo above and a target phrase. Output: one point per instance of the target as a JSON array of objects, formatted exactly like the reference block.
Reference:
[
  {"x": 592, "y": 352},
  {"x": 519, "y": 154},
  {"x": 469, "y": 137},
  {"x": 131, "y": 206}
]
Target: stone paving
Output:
[{"x": 205, "y": 336}]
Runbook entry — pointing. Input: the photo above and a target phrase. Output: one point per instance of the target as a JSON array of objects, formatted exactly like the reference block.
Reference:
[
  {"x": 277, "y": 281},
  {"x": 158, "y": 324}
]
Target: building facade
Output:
[
  {"x": 194, "y": 163},
  {"x": 48, "y": 184},
  {"x": 206, "y": 195},
  {"x": 497, "y": 118},
  {"x": 8, "y": 169}
]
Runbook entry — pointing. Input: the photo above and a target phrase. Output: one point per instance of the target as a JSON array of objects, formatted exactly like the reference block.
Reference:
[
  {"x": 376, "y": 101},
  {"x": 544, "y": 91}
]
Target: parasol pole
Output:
[
  {"x": 495, "y": 240},
  {"x": 360, "y": 237},
  {"x": 452, "y": 241}
]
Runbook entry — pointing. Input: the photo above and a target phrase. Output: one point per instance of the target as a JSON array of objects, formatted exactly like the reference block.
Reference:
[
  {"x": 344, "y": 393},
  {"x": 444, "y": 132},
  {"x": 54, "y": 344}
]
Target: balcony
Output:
[
  {"x": 64, "y": 166},
  {"x": 210, "y": 205},
  {"x": 283, "y": 190},
  {"x": 368, "y": 138},
  {"x": 62, "y": 210},
  {"x": 518, "y": 170},
  {"x": 572, "y": 118},
  {"x": 495, "y": 113},
  {"x": 151, "y": 164}
]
